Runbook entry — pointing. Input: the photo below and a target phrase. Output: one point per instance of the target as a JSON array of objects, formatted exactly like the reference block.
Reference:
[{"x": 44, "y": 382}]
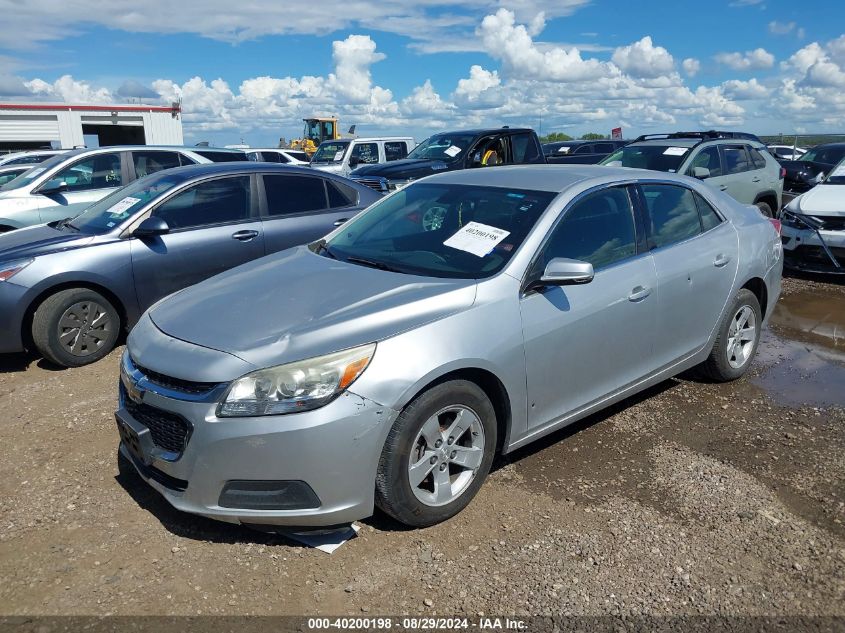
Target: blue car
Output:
[{"x": 68, "y": 288}]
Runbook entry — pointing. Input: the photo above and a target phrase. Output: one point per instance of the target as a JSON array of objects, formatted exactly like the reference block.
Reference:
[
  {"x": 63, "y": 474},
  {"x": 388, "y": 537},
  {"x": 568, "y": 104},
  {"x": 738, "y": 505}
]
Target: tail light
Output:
[
  {"x": 776, "y": 224},
  {"x": 782, "y": 173}
]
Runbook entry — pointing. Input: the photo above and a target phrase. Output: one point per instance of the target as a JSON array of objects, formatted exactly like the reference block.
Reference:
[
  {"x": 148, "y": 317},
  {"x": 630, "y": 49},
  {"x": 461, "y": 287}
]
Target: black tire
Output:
[
  {"x": 394, "y": 494},
  {"x": 765, "y": 209},
  {"x": 718, "y": 367},
  {"x": 51, "y": 339}
]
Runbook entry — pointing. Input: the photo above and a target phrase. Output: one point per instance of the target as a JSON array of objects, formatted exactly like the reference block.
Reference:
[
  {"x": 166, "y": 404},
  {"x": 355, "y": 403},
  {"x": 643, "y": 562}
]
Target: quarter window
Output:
[
  {"x": 673, "y": 213},
  {"x": 147, "y": 163},
  {"x": 100, "y": 171},
  {"x": 525, "y": 148},
  {"x": 709, "y": 217},
  {"x": 217, "y": 201},
  {"x": 757, "y": 158},
  {"x": 341, "y": 195},
  {"x": 288, "y": 195},
  {"x": 598, "y": 229},
  {"x": 736, "y": 159},
  {"x": 395, "y": 150}
]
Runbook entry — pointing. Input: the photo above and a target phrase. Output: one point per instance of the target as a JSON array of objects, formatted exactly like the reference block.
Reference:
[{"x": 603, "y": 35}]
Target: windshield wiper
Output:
[
  {"x": 373, "y": 264},
  {"x": 66, "y": 223}
]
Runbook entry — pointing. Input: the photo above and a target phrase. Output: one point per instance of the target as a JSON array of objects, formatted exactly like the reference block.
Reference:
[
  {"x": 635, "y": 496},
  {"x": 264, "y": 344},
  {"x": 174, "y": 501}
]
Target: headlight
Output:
[
  {"x": 301, "y": 386},
  {"x": 11, "y": 269}
]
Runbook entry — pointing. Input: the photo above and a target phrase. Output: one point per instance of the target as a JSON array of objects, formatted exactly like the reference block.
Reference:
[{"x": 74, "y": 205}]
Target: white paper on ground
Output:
[
  {"x": 324, "y": 540},
  {"x": 452, "y": 151},
  {"x": 675, "y": 151},
  {"x": 476, "y": 238},
  {"x": 119, "y": 207}
]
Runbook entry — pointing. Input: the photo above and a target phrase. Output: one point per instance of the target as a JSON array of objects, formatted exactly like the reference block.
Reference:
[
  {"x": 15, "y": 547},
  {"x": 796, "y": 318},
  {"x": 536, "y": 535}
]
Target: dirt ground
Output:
[{"x": 692, "y": 498}]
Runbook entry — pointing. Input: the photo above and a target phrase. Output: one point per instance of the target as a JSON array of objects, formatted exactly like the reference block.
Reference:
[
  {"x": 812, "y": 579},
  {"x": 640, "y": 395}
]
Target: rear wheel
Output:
[
  {"x": 437, "y": 454},
  {"x": 736, "y": 344},
  {"x": 75, "y": 327}
]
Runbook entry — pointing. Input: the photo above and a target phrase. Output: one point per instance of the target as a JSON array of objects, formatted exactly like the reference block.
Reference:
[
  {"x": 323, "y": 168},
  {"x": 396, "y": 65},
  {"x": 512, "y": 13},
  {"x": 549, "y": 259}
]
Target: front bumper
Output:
[
  {"x": 13, "y": 302},
  {"x": 334, "y": 450},
  {"x": 804, "y": 249}
]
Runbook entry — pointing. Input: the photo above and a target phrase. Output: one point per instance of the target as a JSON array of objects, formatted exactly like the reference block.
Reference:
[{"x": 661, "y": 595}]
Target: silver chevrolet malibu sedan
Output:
[{"x": 461, "y": 317}]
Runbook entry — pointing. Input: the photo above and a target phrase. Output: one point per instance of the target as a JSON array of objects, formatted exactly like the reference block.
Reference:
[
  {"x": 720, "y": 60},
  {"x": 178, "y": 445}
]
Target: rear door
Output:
[
  {"x": 526, "y": 149},
  {"x": 214, "y": 226},
  {"x": 297, "y": 209},
  {"x": 695, "y": 255},
  {"x": 738, "y": 179},
  {"x": 146, "y": 162}
]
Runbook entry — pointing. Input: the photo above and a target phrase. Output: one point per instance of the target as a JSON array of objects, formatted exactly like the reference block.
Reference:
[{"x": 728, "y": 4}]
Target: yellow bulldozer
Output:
[{"x": 317, "y": 130}]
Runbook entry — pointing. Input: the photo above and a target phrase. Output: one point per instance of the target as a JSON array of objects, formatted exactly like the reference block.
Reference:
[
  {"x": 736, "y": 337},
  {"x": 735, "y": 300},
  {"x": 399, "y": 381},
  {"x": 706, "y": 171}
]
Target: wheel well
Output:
[
  {"x": 770, "y": 199},
  {"x": 26, "y": 325},
  {"x": 493, "y": 389},
  {"x": 758, "y": 287}
]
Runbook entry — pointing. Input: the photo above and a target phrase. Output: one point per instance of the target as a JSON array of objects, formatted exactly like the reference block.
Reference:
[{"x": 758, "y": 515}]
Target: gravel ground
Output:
[{"x": 692, "y": 498}]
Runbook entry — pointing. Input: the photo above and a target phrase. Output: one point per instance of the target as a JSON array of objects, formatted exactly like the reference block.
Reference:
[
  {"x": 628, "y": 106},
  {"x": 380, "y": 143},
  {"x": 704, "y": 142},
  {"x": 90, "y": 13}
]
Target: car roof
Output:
[
  {"x": 551, "y": 178},
  {"x": 211, "y": 169},
  {"x": 169, "y": 148},
  {"x": 829, "y": 145},
  {"x": 486, "y": 130}
]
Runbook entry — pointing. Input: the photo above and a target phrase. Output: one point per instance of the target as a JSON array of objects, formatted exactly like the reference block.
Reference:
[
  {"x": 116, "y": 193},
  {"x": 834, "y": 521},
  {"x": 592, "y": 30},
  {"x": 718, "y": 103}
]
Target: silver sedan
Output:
[{"x": 461, "y": 317}]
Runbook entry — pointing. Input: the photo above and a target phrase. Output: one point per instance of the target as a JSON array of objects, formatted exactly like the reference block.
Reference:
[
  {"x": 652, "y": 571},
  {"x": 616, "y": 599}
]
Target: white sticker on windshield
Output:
[
  {"x": 476, "y": 238},
  {"x": 675, "y": 151},
  {"x": 563, "y": 150},
  {"x": 120, "y": 207},
  {"x": 338, "y": 155},
  {"x": 452, "y": 151}
]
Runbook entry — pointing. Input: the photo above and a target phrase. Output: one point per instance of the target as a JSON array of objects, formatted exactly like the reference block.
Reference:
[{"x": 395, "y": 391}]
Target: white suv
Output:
[{"x": 341, "y": 156}]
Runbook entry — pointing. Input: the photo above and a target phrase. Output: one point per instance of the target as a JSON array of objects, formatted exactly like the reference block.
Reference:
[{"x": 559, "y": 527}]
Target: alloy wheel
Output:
[{"x": 742, "y": 336}]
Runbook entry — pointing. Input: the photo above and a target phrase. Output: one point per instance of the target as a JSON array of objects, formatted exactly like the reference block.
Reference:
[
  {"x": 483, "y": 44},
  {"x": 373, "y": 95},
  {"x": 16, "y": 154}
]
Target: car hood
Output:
[
  {"x": 823, "y": 199},
  {"x": 404, "y": 169},
  {"x": 39, "y": 240},
  {"x": 295, "y": 305}
]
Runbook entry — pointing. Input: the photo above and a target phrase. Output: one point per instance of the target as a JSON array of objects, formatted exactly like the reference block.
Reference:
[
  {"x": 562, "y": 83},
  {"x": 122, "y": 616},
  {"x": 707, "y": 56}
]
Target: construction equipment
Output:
[{"x": 317, "y": 130}]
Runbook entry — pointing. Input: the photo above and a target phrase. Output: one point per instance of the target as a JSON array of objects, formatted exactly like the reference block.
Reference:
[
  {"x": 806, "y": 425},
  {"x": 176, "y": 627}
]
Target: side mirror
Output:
[
  {"x": 151, "y": 227},
  {"x": 562, "y": 271},
  {"x": 700, "y": 172},
  {"x": 354, "y": 161},
  {"x": 52, "y": 187}
]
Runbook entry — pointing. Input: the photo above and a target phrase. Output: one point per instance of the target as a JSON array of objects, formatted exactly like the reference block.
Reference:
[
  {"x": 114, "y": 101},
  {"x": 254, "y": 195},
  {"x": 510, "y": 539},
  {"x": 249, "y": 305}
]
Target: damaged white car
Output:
[{"x": 813, "y": 226}]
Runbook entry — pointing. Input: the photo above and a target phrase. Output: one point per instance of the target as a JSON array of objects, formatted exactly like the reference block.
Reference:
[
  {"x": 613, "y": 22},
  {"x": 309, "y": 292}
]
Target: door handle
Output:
[
  {"x": 244, "y": 236},
  {"x": 639, "y": 293},
  {"x": 341, "y": 221},
  {"x": 722, "y": 187},
  {"x": 721, "y": 260},
  {"x": 755, "y": 179}
]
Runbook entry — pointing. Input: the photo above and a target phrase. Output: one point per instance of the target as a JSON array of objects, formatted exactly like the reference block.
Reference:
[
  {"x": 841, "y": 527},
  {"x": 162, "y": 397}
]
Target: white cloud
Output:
[
  {"x": 781, "y": 28},
  {"x": 691, "y": 66},
  {"x": 66, "y": 88},
  {"x": 511, "y": 43},
  {"x": 750, "y": 60},
  {"x": 643, "y": 59},
  {"x": 353, "y": 58},
  {"x": 745, "y": 90}
]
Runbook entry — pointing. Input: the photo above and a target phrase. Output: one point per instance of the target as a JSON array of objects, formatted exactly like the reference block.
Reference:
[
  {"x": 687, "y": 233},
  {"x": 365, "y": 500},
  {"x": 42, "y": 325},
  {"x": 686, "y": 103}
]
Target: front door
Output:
[
  {"x": 584, "y": 342},
  {"x": 214, "y": 226}
]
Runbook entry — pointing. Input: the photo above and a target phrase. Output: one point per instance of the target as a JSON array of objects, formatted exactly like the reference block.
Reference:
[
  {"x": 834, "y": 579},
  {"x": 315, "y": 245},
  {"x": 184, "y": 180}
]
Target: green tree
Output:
[
  {"x": 555, "y": 136},
  {"x": 593, "y": 136}
]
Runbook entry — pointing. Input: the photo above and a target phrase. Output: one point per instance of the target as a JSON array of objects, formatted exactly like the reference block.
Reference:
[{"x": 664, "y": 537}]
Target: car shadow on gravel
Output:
[{"x": 13, "y": 363}]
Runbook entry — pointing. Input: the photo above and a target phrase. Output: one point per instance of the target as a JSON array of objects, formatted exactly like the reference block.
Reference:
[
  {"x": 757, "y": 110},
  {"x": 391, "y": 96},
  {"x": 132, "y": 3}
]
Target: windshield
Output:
[
  {"x": 446, "y": 147},
  {"x": 654, "y": 157},
  {"x": 440, "y": 230},
  {"x": 115, "y": 209},
  {"x": 330, "y": 152},
  {"x": 837, "y": 174},
  {"x": 30, "y": 175},
  {"x": 824, "y": 155}
]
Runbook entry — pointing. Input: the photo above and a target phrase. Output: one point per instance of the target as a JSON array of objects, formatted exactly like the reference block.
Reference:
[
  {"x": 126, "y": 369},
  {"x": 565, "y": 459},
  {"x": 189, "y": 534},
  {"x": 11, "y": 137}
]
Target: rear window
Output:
[
  {"x": 654, "y": 157},
  {"x": 221, "y": 157}
]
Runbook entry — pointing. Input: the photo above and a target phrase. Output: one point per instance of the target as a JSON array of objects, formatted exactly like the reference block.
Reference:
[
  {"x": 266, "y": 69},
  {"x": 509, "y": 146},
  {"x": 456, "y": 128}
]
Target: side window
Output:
[
  {"x": 757, "y": 159},
  {"x": 489, "y": 152},
  {"x": 709, "y": 159},
  {"x": 340, "y": 195},
  {"x": 584, "y": 149},
  {"x": 366, "y": 152},
  {"x": 709, "y": 217},
  {"x": 736, "y": 159},
  {"x": 96, "y": 172},
  {"x": 395, "y": 150},
  {"x": 673, "y": 213},
  {"x": 185, "y": 160},
  {"x": 598, "y": 229},
  {"x": 525, "y": 150},
  {"x": 603, "y": 148},
  {"x": 210, "y": 202},
  {"x": 147, "y": 163},
  {"x": 288, "y": 195},
  {"x": 273, "y": 157}
]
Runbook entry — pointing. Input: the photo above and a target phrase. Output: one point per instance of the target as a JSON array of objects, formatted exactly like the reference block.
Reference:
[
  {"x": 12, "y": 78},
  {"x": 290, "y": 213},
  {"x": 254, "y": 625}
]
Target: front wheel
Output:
[
  {"x": 437, "y": 454},
  {"x": 736, "y": 343},
  {"x": 75, "y": 327}
]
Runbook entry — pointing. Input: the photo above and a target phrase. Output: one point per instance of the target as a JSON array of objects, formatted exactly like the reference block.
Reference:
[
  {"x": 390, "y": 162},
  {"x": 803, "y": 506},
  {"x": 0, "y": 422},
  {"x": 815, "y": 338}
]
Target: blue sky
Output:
[{"x": 253, "y": 71}]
